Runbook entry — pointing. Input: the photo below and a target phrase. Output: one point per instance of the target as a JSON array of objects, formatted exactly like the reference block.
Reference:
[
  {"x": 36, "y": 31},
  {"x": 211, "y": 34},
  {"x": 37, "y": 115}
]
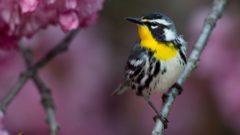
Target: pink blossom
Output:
[
  {"x": 71, "y": 4},
  {"x": 23, "y": 18},
  {"x": 69, "y": 21},
  {"x": 28, "y": 5}
]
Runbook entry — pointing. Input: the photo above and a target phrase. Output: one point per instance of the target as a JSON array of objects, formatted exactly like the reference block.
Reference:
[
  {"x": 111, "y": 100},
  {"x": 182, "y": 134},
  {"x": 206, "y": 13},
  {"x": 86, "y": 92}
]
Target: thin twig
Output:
[
  {"x": 24, "y": 76},
  {"x": 48, "y": 104},
  {"x": 210, "y": 22},
  {"x": 13, "y": 92},
  {"x": 44, "y": 91}
]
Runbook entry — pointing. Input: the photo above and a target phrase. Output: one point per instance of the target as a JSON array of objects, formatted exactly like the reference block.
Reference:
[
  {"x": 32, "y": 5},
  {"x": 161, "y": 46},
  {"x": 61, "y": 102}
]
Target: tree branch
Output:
[
  {"x": 210, "y": 22},
  {"x": 48, "y": 104},
  {"x": 24, "y": 76},
  {"x": 44, "y": 91}
]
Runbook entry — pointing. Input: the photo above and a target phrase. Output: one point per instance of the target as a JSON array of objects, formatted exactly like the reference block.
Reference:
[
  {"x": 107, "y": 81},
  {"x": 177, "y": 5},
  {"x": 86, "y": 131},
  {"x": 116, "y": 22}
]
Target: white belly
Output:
[{"x": 164, "y": 81}]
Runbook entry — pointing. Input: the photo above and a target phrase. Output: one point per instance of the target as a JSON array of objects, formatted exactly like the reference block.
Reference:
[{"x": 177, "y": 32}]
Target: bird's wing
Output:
[
  {"x": 134, "y": 66},
  {"x": 136, "y": 61}
]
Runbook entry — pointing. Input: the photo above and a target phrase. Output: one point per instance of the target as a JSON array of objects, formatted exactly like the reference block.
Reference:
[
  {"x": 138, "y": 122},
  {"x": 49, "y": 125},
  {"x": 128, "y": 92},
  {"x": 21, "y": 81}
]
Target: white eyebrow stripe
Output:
[{"x": 160, "y": 21}]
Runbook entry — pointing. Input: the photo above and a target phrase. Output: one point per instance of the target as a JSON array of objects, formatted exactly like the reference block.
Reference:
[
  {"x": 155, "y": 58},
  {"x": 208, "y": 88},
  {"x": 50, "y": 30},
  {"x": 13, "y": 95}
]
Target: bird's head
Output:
[{"x": 156, "y": 26}]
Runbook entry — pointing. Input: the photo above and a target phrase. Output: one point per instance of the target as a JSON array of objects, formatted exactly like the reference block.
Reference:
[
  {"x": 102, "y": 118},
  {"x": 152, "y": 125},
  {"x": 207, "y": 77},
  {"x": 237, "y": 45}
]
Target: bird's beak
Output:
[{"x": 135, "y": 20}]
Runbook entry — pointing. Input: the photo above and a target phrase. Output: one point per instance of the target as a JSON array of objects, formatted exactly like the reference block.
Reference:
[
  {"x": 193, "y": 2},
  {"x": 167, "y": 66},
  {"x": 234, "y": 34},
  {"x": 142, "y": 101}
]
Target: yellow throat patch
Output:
[{"x": 162, "y": 51}]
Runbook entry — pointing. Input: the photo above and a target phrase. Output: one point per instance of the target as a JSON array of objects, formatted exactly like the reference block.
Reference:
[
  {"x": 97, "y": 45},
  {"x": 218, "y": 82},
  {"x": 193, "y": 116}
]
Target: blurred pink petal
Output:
[
  {"x": 69, "y": 20},
  {"x": 28, "y": 5},
  {"x": 88, "y": 20},
  {"x": 71, "y": 4},
  {"x": 50, "y": 1}
]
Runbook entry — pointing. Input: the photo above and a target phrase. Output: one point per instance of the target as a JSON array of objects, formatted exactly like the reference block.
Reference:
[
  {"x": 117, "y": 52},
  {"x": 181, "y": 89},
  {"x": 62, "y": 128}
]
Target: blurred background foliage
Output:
[{"x": 82, "y": 79}]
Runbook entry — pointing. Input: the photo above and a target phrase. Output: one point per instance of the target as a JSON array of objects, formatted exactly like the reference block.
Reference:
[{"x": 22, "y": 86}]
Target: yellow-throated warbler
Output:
[{"x": 156, "y": 60}]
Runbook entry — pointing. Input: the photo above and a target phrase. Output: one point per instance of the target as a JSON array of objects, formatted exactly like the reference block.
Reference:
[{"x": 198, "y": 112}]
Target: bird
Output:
[{"x": 156, "y": 60}]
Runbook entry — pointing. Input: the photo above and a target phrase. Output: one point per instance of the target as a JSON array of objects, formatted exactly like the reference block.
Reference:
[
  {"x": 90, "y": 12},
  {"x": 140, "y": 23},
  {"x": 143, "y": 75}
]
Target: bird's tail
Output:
[{"x": 121, "y": 89}]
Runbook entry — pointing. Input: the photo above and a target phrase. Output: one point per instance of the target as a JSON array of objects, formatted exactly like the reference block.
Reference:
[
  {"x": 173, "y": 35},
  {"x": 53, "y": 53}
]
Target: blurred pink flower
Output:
[
  {"x": 28, "y": 5},
  {"x": 23, "y": 18},
  {"x": 2, "y": 131},
  {"x": 69, "y": 20}
]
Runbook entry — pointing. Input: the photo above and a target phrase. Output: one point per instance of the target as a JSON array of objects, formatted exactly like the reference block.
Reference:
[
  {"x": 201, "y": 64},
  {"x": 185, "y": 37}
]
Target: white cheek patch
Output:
[
  {"x": 169, "y": 35},
  {"x": 161, "y": 21}
]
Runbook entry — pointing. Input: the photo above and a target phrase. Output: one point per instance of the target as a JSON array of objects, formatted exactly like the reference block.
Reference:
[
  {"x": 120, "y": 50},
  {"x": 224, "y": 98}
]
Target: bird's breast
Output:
[{"x": 169, "y": 73}]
